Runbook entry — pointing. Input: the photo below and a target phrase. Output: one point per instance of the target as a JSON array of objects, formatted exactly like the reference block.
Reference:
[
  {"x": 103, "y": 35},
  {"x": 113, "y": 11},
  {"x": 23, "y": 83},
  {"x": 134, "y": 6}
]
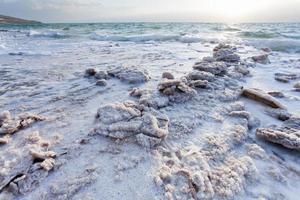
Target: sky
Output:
[{"x": 154, "y": 10}]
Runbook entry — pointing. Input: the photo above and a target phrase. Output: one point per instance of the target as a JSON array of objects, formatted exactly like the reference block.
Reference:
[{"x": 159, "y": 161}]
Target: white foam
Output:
[
  {"x": 47, "y": 33},
  {"x": 145, "y": 38}
]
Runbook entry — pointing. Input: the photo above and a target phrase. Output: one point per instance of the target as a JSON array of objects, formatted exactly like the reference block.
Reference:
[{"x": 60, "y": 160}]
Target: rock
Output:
[
  {"x": 280, "y": 114},
  {"x": 167, "y": 75},
  {"x": 287, "y": 137},
  {"x": 260, "y": 96},
  {"x": 123, "y": 120},
  {"x": 284, "y": 77},
  {"x": 262, "y": 59},
  {"x": 215, "y": 68},
  {"x": 101, "y": 82},
  {"x": 226, "y": 53},
  {"x": 276, "y": 94},
  {"x": 101, "y": 75},
  {"x": 130, "y": 75},
  {"x": 176, "y": 90},
  {"x": 90, "y": 72},
  {"x": 200, "y": 75}
]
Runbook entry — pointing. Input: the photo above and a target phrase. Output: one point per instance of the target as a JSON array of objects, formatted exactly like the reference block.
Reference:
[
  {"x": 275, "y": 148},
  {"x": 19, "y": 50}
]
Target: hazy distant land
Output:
[{"x": 13, "y": 20}]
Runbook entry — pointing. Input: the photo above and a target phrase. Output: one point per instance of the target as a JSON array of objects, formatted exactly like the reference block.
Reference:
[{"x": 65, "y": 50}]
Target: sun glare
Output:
[{"x": 234, "y": 10}]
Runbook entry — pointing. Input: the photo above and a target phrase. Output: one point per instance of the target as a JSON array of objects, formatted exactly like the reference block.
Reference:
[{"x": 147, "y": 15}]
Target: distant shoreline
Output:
[{"x": 14, "y": 20}]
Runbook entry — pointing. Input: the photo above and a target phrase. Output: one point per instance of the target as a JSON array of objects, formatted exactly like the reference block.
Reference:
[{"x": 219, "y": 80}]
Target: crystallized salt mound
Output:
[
  {"x": 150, "y": 98},
  {"x": 123, "y": 120},
  {"x": 177, "y": 90},
  {"x": 212, "y": 171},
  {"x": 130, "y": 75},
  {"x": 167, "y": 75},
  {"x": 242, "y": 69},
  {"x": 66, "y": 189},
  {"x": 280, "y": 114},
  {"x": 262, "y": 59},
  {"x": 287, "y": 137},
  {"x": 297, "y": 86},
  {"x": 213, "y": 67},
  {"x": 259, "y": 95},
  {"x": 9, "y": 125},
  {"x": 200, "y": 75},
  {"x": 285, "y": 77},
  {"x": 226, "y": 53},
  {"x": 25, "y": 164},
  {"x": 190, "y": 174}
]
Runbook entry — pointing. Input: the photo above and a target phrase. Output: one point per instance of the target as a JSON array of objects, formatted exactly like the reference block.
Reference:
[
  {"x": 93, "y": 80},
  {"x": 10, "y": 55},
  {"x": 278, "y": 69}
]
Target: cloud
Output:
[
  {"x": 59, "y": 4},
  {"x": 53, "y": 4},
  {"x": 153, "y": 10}
]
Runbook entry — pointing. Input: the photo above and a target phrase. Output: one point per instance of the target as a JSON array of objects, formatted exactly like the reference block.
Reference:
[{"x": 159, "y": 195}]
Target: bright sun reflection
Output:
[{"x": 235, "y": 10}]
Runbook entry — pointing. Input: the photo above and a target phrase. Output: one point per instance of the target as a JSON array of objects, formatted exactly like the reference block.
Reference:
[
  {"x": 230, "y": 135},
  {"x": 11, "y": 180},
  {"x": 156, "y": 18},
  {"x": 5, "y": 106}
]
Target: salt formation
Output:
[
  {"x": 200, "y": 75},
  {"x": 150, "y": 98},
  {"x": 226, "y": 53},
  {"x": 24, "y": 168},
  {"x": 101, "y": 75},
  {"x": 177, "y": 90},
  {"x": 123, "y": 120},
  {"x": 297, "y": 86},
  {"x": 167, "y": 75},
  {"x": 130, "y": 75},
  {"x": 287, "y": 137},
  {"x": 101, "y": 82},
  {"x": 90, "y": 72},
  {"x": 255, "y": 151},
  {"x": 211, "y": 172},
  {"x": 10, "y": 125},
  {"x": 66, "y": 189},
  {"x": 211, "y": 66},
  {"x": 285, "y": 77},
  {"x": 280, "y": 114},
  {"x": 276, "y": 94},
  {"x": 262, "y": 59},
  {"x": 242, "y": 69},
  {"x": 260, "y": 96}
]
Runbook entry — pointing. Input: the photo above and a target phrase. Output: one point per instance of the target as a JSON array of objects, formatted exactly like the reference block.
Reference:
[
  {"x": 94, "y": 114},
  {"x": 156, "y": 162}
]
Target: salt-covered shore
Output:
[{"x": 222, "y": 126}]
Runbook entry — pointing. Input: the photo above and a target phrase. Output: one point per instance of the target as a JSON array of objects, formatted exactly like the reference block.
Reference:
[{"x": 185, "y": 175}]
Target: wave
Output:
[
  {"x": 280, "y": 45},
  {"x": 146, "y": 38},
  {"x": 227, "y": 28},
  {"x": 47, "y": 34},
  {"x": 258, "y": 34}
]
